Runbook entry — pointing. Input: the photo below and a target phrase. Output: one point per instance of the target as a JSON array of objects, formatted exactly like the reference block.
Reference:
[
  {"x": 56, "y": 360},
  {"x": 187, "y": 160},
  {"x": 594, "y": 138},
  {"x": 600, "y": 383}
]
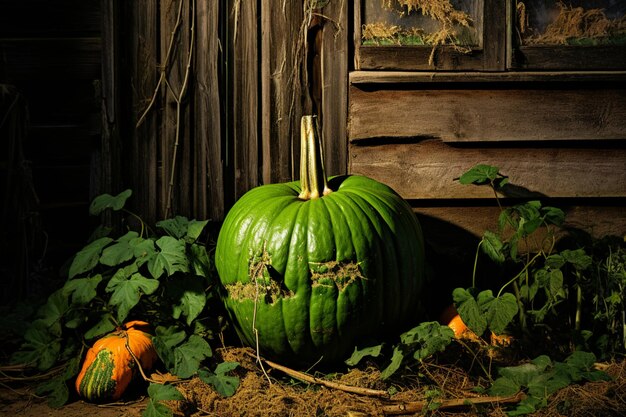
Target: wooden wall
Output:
[
  {"x": 559, "y": 137},
  {"x": 191, "y": 104},
  {"x": 254, "y": 68},
  {"x": 50, "y": 55}
]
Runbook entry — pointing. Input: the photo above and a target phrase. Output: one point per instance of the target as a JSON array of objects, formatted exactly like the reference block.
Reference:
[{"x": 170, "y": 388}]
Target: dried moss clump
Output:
[
  {"x": 442, "y": 11},
  {"x": 576, "y": 25}
]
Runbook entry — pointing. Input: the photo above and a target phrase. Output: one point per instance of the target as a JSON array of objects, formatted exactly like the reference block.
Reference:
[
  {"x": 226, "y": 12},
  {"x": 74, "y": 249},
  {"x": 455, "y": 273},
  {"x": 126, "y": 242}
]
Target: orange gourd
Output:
[{"x": 109, "y": 366}]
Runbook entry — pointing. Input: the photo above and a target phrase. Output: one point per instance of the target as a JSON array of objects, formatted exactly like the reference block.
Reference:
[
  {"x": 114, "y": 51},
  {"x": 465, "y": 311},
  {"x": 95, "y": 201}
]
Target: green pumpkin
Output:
[{"x": 310, "y": 267}]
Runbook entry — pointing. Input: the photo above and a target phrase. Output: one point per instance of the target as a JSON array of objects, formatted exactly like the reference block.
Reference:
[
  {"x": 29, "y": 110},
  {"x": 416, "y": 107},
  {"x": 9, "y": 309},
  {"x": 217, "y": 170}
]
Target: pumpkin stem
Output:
[{"x": 312, "y": 176}]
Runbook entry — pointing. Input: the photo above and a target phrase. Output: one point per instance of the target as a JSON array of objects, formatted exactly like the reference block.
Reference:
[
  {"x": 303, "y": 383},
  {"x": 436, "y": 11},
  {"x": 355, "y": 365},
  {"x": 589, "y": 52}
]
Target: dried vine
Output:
[{"x": 178, "y": 96}]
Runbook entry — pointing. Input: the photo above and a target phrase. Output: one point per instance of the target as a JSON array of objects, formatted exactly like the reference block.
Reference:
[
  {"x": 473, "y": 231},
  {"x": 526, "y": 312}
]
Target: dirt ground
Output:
[{"x": 275, "y": 394}]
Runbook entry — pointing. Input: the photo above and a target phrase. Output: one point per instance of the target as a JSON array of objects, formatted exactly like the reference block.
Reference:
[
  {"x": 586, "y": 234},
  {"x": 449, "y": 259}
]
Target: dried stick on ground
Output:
[
  {"x": 329, "y": 384},
  {"x": 418, "y": 406}
]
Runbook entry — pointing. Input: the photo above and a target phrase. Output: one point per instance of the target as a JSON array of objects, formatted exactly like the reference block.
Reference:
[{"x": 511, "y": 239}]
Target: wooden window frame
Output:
[
  {"x": 559, "y": 58},
  {"x": 489, "y": 57},
  {"x": 500, "y": 51}
]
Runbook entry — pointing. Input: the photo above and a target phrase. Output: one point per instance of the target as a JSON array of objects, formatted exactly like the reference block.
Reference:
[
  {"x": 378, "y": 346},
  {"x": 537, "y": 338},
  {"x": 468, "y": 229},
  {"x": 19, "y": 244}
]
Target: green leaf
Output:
[
  {"x": 55, "y": 390},
  {"x": 189, "y": 355},
  {"x": 199, "y": 260},
  {"x": 225, "y": 385},
  {"x": 176, "y": 227},
  {"x": 427, "y": 339},
  {"x": 171, "y": 257},
  {"x": 105, "y": 201},
  {"x": 143, "y": 250},
  {"x": 87, "y": 258},
  {"x": 127, "y": 292},
  {"x": 499, "y": 311},
  {"x": 165, "y": 340},
  {"x": 105, "y": 325},
  {"x": 189, "y": 296},
  {"x": 359, "y": 354},
  {"x": 555, "y": 282},
  {"x": 82, "y": 290},
  {"x": 555, "y": 261},
  {"x": 469, "y": 311},
  {"x": 41, "y": 347},
  {"x": 195, "y": 229},
  {"x": 157, "y": 409},
  {"x": 578, "y": 258},
  {"x": 504, "y": 387},
  {"x": 479, "y": 174},
  {"x": 553, "y": 215},
  {"x": 119, "y": 252},
  {"x": 492, "y": 246},
  {"x": 54, "y": 309},
  {"x": 160, "y": 392},
  {"x": 396, "y": 361}
]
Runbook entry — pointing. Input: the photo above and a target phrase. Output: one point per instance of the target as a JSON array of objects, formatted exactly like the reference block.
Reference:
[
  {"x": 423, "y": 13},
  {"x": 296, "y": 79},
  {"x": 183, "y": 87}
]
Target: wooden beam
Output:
[
  {"x": 415, "y": 77},
  {"x": 475, "y": 114},
  {"x": 283, "y": 98},
  {"x": 427, "y": 169},
  {"x": 334, "y": 88},
  {"x": 244, "y": 108},
  {"x": 207, "y": 165}
]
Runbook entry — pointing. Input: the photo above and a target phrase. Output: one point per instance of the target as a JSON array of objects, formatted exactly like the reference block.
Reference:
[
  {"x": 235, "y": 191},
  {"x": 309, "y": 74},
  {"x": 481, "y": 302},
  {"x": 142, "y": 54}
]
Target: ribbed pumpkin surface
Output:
[
  {"x": 313, "y": 276},
  {"x": 109, "y": 367},
  {"x": 98, "y": 381}
]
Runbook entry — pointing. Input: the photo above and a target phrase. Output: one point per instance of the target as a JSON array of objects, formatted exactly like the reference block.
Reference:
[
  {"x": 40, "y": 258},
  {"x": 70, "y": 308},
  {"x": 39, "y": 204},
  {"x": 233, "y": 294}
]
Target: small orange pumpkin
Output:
[
  {"x": 452, "y": 319},
  {"x": 109, "y": 365},
  {"x": 458, "y": 326}
]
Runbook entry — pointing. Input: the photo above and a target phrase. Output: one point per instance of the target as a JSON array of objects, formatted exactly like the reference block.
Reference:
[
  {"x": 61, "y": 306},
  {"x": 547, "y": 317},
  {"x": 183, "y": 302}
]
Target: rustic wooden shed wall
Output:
[
  {"x": 50, "y": 61},
  {"x": 190, "y": 104},
  {"x": 204, "y": 99}
]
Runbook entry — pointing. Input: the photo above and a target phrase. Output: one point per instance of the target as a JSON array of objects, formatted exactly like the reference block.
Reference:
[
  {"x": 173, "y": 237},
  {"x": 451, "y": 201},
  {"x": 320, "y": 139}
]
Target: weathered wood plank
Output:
[
  {"x": 283, "y": 98},
  {"x": 141, "y": 18},
  {"x": 427, "y": 169},
  {"x": 244, "y": 36},
  {"x": 334, "y": 88},
  {"x": 108, "y": 179},
  {"x": 478, "y": 115},
  {"x": 176, "y": 146},
  {"x": 494, "y": 37},
  {"x": 441, "y": 224},
  {"x": 208, "y": 170},
  {"x": 416, "y": 58},
  {"x": 570, "y": 57},
  {"x": 59, "y": 59},
  {"x": 414, "y": 77}
]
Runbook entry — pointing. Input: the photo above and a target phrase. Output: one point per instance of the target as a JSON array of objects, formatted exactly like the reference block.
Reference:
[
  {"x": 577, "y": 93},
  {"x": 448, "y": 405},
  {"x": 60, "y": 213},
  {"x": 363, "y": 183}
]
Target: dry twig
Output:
[
  {"x": 418, "y": 406},
  {"x": 328, "y": 384}
]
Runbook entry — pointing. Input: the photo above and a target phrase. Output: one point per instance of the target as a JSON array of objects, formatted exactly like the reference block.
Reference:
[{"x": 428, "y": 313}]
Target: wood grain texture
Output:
[
  {"x": 445, "y": 224},
  {"x": 547, "y": 57},
  {"x": 282, "y": 97},
  {"x": 140, "y": 68},
  {"x": 206, "y": 165},
  {"x": 478, "y": 115},
  {"x": 334, "y": 63},
  {"x": 433, "y": 77},
  {"x": 109, "y": 180},
  {"x": 176, "y": 147},
  {"x": 244, "y": 126},
  {"x": 427, "y": 169}
]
